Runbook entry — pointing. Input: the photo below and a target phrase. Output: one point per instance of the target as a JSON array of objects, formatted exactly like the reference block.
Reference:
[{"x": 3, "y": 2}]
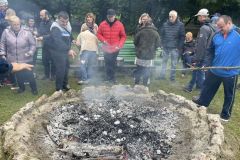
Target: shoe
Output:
[
  {"x": 35, "y": 92},
  {"x": 66, "y": 88},
  {"x": 224, "y": 119},
  {"x": 82, "y": 82},
  {"x": 14, "y": 88},
  {"x": 183, "y": 75},
  {"x": 20, "y": 90},
  {"x": 195, "y": 99},
  {"x": 186, "y": 89}
]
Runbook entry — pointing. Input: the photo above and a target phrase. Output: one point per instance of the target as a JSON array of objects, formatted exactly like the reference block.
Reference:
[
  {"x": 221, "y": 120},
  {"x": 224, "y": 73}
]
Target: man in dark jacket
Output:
[
  {"x": 203, "y": 41},
  {"x": 43, "y": 35},
  {"x": 61, "y": 39},
  {"x": 172, "y": 38},
  {"x": 146, "y": 41}
]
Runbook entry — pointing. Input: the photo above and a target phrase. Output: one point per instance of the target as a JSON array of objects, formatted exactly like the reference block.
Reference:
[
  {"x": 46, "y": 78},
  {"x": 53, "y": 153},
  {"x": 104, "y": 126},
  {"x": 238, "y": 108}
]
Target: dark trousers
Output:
[
  {"x": 198, "y": 77},
  {"x": 61, "y": 63},
  {"x": 26, "y": 76},
  {"x": 47, "y": 59},
  {"x": 144, "y": 72},
  {"x": 210, "y": 87},
  {"x": 88, "y": 60},
  {"x": 110, "y": 60}
]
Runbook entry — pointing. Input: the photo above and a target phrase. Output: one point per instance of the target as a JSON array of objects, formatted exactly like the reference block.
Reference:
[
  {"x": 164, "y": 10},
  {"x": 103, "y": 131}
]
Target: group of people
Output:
[{"x": 216, "y": 45}]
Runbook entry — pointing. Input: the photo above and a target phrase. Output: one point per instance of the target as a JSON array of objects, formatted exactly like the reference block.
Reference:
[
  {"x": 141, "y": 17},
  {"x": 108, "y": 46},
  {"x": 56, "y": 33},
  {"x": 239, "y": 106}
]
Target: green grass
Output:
[{"x": 10, "y": 102}]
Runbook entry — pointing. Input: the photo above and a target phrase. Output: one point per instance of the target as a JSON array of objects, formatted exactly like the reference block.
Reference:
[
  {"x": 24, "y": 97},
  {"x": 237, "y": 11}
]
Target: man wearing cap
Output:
[
  {"x": 3, "y": 9},
  {"x": 172, "y": 38},
  {"x": 224, "y": 51},
  {"x": 203, "y": 41},
  {"x": 112, "y": 34}
]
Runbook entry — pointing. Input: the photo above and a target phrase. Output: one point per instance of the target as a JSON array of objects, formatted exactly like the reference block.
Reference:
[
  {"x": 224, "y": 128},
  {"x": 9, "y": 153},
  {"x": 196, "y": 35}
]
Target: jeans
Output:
[
  {"x": 198, "y": 77},
  {"x": 87, "y": 62},
  {"x": 210, "y": 87},
  {"x": 26, "y": 76},
  {"x": 110, "y": 60},
  {"x": 173, "y": 53}
]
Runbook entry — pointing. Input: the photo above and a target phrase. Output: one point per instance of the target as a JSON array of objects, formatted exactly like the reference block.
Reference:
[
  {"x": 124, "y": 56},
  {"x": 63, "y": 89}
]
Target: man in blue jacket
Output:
[{"x": 223, "y": 52}]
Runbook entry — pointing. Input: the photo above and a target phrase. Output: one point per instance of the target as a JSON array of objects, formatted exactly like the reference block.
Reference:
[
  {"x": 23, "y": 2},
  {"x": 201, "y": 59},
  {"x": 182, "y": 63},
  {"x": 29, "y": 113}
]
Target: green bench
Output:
[{"x": 127, "y": 55}]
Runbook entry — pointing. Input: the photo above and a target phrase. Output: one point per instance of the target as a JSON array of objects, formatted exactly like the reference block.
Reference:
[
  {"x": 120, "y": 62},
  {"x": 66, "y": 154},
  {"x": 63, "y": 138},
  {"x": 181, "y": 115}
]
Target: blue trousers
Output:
[
  {"x": 198, "y": 77},
  {"x": 88, "y": 60},
  {"x": 210, "y": 87}
]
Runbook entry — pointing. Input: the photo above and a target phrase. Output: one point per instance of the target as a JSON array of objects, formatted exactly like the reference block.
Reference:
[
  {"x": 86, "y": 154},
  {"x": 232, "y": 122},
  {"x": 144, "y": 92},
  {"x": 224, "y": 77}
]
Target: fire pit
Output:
[{"x": 118, "y": 122}]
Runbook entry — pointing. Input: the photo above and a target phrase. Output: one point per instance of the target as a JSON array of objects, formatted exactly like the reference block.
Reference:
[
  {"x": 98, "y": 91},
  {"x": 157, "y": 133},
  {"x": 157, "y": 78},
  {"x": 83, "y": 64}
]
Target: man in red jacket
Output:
[{"x": 112, "y": 34}]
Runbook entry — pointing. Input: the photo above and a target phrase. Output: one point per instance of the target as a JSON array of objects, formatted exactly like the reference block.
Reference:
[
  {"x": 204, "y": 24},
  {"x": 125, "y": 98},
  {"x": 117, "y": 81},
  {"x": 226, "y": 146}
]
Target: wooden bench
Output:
[{"x": 127, "y": 55}]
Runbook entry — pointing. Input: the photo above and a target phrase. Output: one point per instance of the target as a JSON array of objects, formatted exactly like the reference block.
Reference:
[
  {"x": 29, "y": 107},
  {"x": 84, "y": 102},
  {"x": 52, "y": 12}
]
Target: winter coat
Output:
[
  {"x": 61, "y": 39},
  {"x": 146, "y": 41},
  {"x": 203, "y": 41},
  {"x": 18, "y": 48},
  {"x": 173, "y": 35},
  {"x": 112, "y": 35},
  {"x": 44, "y": 30}
]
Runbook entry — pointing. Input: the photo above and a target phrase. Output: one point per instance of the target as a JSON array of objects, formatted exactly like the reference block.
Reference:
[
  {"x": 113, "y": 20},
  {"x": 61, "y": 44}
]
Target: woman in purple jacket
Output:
[{"x": 19, "y": 45}]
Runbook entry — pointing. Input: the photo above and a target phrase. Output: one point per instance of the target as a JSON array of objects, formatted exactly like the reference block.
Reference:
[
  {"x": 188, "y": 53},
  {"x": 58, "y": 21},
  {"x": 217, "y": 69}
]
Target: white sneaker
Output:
[
  {"x": 224, "y": 120},
  {"x": 82, "y": 82}
]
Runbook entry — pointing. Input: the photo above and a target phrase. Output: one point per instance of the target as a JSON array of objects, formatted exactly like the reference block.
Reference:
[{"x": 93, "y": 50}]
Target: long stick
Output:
[{"x": 205, "y": 68}]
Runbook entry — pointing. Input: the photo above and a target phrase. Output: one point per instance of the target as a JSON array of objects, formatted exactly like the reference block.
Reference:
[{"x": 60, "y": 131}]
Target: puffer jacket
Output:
[
  {"x": 146, "y": 41},
  {"x": 173, "y": 35},
  {"x": 18, "y": 48},
  {"x": 113, "y": 36}
]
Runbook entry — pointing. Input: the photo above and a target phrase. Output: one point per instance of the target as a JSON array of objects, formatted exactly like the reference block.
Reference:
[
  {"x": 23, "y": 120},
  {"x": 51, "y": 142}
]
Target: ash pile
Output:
[{"x": 111, "y": 127}]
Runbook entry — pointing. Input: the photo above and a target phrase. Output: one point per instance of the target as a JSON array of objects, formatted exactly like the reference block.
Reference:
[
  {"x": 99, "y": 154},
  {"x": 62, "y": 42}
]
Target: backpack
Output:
[{"x": 213, "y": 30}]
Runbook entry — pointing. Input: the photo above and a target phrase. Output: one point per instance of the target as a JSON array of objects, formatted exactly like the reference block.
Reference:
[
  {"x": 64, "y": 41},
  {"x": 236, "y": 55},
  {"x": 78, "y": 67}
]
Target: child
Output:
[{"x": 188, "y": 51}]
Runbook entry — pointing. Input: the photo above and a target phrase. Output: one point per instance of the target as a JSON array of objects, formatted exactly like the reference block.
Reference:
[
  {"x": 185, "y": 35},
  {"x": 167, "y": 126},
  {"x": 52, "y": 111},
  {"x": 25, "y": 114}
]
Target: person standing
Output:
[
  {"x": 60, "y": 48},
  {"x": 203, "y": 41},
  {"x": 172, "y": 38},
  {"x": 19, "y": 46},
  {"x": 112, "y": 34},
  {"x": 90, "y": 23},
  {"x": 88, "y": 43},
  {"x": 43, "y": 36},
  {"x": 224, "y": 51},
  {"x": 146, "y": 41}
]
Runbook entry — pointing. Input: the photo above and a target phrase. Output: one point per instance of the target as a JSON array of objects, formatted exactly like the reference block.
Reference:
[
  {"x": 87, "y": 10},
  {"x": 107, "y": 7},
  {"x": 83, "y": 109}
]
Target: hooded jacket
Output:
[
  {"x": 18, "y": 47},
  {"x": 60, "y": 38},
  {"x": 146, "y": 41}
]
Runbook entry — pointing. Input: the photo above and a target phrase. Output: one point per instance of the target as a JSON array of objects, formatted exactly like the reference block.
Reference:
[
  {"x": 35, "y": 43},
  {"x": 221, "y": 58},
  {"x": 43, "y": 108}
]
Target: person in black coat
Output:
[
  {"x": 61, "y": 40},
  {"x": 146, "y": 41}
]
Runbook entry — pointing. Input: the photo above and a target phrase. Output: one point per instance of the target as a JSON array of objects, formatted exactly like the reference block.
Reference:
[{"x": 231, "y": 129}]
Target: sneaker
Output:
[
  {"x": 186, "y": 89},
  {"x": 66, "y": 88},
  {"x": 195, "y": 99},
  {"x": 224, "y": 119},
  {"x": 82, "y": 82},
  {"x": 14, "y": 88}
]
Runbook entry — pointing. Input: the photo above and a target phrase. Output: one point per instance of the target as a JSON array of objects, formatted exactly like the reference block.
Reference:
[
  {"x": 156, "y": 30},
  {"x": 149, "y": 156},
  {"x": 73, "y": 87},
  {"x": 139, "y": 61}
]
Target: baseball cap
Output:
[
  {"x": 111, "y": 12},
  {"x": 202, "y": 12},
  {"x": 3, "y": 2}
]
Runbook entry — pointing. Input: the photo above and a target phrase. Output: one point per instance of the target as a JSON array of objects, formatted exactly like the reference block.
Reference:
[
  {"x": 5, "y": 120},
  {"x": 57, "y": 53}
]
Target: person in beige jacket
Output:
[{"x": 88, "y": 43}]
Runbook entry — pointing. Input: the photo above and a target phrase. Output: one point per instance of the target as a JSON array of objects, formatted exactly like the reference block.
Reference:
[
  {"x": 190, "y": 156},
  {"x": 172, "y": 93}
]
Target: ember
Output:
[
  {"x": 112, "y": 123},
  {"x": 137, "y": 128}
]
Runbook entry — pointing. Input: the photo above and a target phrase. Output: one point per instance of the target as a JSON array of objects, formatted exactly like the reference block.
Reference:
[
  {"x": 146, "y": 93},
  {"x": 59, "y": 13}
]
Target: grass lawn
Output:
[{"x": 10, "y": 102}]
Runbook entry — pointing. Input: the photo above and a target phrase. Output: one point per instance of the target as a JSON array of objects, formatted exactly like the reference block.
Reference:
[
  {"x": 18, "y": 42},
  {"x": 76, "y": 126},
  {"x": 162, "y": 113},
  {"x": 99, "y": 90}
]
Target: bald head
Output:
[{"x": 44, "y": 14}]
